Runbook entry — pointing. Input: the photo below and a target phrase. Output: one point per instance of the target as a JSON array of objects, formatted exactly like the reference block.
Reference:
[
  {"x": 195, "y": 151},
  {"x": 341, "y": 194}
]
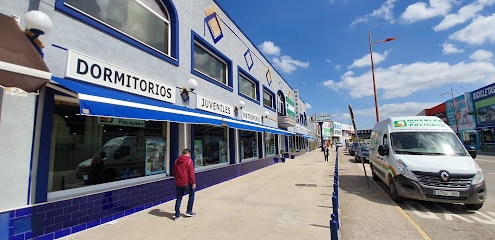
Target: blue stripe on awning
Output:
[
  {"x": 243, "y": 125},
  {"x": 100, "y": 101},
  {"x": 239, "y": 124},
  {"x": 278, "y": 131}
]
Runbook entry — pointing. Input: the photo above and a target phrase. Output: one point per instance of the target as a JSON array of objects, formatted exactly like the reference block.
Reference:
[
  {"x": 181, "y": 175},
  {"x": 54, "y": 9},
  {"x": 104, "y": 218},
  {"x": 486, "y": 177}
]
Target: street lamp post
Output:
[{"x": 373, "y": 70}]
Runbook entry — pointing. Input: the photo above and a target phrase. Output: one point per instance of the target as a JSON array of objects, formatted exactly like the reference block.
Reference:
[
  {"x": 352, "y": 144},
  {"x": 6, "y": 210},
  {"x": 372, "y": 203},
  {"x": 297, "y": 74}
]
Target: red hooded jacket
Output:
[{"x": 184, "y": 171}]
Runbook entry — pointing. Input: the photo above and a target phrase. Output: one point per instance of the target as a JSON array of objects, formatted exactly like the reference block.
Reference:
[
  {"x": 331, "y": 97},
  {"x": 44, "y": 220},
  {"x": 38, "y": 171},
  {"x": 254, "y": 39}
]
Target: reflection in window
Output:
[
  {"x": 210, "y": 145},
  {"x": 144, "y": 20},
  {"x": 88, "y": 150},
  {"x": 427, "y": 143},
  {"x": 267, "y": 99},
  {"x": 280, "y": 104},
  {"x": 269, "y": 143},
  {"x": 488, "y": 136},
  {"x": 209, "y": 65},
  {"x": 247, "y": 87},
  {"x": 249, "y": 144}
]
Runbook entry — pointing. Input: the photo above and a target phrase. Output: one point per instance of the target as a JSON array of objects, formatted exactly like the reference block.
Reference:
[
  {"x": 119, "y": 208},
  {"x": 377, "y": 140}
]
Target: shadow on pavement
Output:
[
  {"x": 357, "y": 185},
  {"x": 159, "y": 213}
]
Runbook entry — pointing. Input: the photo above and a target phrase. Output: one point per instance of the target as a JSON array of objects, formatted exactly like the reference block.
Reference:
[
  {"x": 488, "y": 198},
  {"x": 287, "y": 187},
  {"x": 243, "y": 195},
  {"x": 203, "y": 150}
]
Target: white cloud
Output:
[
  {"x": 481, "y": 55},
  {"x": 449, "y": 48},
  {"x": 366, "y": 60},
  {"x": 267, "y": 47},
  {"x": 308, "y": 106},
  {"x": 283, "y": 63},
  {"x": 385, "y": 11},
  {"x": 365, "y": 117},
  {"x": 288, "y": 65},
  {"x": 396, "y": 109},
  {"x": 465, "y": 13},
  {"x": 338, "y": 67},
  {"x": 481, "y": 30},
  {"x": 421, "y": 11},
  {"x": 403, "y": 80}
]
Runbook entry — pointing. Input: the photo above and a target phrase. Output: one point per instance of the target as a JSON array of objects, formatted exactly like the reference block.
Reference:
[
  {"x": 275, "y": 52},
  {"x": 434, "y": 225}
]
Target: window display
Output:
[
  {"x": 269, "y": 143},
  {"x": 210, "y": 145},
  {"x": 249, "y": 144},
  {"x": 87, "y": 150}
]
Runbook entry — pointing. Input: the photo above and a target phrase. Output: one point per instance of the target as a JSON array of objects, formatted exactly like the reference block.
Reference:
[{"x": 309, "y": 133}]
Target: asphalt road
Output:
[{"x": 437, "y": 220}]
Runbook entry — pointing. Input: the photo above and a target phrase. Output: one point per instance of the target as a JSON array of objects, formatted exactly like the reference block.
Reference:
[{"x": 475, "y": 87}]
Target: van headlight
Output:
[
  {"x": 404, "y": 170},
  {"x": 478, "y": 177}
]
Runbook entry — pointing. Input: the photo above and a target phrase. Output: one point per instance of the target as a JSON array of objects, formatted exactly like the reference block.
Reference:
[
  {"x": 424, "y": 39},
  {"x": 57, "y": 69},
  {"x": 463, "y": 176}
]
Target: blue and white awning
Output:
[{"x": 100, "y": 101}]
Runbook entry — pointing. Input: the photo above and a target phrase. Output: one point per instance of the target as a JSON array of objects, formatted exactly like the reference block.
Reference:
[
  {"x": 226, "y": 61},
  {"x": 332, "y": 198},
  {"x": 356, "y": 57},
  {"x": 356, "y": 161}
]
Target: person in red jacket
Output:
[{"x": 185, "y": 182}]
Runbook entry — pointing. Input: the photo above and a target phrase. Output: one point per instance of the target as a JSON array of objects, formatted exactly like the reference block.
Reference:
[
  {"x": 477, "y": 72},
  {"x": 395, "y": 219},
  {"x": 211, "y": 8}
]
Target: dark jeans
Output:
[{"x": 180, "y": 193}]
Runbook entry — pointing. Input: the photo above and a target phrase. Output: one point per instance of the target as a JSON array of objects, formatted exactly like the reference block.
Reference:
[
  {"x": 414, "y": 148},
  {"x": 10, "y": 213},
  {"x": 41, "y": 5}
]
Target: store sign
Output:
[
  {"x": 121, "y": 122},
  {"x": 251, "y": 117},
  {"x": 290, "y": 107},
  {"x": 321, "y": 117},
  {"x": 97, "y": 72},
  {"x": 484, "y": 92},
  {"x": 214, "y": 106}
]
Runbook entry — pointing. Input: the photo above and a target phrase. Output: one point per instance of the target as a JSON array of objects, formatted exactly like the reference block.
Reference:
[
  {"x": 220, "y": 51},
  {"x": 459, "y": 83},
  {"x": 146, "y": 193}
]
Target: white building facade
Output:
[{"x": 131, "y": 85}]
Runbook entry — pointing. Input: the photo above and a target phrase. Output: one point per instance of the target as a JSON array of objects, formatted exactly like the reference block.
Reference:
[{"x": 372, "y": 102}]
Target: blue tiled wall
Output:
[{"x": 57, "y": 219}]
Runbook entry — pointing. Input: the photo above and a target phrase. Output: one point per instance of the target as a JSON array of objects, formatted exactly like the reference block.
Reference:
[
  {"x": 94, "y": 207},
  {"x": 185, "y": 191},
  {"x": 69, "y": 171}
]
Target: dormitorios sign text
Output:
[
  {"x": 213, "y": 106},
  {"x": 95, "y": 71}
]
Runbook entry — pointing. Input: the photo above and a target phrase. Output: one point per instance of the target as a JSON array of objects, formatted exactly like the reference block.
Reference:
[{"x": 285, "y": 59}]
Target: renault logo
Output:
[{"x": 445, "y": 176}]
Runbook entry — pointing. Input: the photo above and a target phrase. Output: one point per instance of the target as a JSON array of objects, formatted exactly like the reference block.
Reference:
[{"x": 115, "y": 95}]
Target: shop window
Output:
[
  {"x": 249, "y": 144},
  {"x": 281, "y": 104},
  {"x": 488, "y": 136},
  {"x": 269, "y": 143},
  {"x": 248, "y": 86},
  {"x": 209, "y": 65},
  {"x": 210, "y": 145},
  {"x": 268, "y": 98},
  {"x": 87, "y": 150},
  {"x": 144, "y": 23}
]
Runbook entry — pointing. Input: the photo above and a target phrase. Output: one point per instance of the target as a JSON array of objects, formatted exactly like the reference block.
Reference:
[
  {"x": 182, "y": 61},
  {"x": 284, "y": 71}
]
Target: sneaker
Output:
[
  {"x": 176, "y": 218},
  {"x": 190, "y": 214}
]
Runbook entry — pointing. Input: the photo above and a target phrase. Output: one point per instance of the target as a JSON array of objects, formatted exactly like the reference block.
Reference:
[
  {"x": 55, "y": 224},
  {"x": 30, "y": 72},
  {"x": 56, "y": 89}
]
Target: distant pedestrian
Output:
[
  {"x": 185, "y": 182},
  {"x": 326, "y": 152}
]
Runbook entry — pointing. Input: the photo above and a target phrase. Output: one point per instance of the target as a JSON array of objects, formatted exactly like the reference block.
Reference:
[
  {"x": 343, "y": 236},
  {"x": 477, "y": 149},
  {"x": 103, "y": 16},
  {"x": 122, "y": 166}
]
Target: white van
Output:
[
  {"x": 420, "y": 157},
  {"x": 118, "y": 159}
]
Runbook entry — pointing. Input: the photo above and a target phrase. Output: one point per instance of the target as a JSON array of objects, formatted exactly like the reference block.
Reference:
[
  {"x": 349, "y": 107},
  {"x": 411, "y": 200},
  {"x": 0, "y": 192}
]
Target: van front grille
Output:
[{"x": 459, "y": 181}]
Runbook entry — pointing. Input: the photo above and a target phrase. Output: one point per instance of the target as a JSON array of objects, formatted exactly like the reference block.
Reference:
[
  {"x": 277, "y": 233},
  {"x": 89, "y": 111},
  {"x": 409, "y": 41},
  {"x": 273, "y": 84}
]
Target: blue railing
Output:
[{"x": 334, "y": 223}]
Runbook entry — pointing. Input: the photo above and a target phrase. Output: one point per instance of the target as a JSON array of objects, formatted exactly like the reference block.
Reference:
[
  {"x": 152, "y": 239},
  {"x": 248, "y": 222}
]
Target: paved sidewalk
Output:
[
  {"x": 290, "y": 200},
  {"x": 367, "y": 211}
]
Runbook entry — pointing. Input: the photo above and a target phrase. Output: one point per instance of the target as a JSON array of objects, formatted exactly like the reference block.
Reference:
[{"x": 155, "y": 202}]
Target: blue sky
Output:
[{"x": 321, "y": 47}]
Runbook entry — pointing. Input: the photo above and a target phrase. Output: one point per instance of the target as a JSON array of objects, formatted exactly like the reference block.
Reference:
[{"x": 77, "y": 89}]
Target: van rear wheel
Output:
[
  {"x": 393, "y": 192},
  {"x": 474, "y": 206}
]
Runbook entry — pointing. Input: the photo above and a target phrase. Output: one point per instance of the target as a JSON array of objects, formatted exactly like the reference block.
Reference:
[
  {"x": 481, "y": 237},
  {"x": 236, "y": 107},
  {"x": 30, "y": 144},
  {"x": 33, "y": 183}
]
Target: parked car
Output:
[
  {"x": 353, "y": 149},
  {"x": 363, "y": 155}
]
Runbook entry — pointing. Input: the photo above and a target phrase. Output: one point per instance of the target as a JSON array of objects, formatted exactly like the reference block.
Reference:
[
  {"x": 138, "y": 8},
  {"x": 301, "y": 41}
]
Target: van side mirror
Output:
[
  {"x": 383, "y": 150},
  {"x": 471, "y": 151}
]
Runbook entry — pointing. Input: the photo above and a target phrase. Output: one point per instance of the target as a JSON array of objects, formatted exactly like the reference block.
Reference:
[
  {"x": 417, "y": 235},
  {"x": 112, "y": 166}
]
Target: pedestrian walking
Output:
[
  {"x": 185, "y": 182},
  {"x": 326, "y": 152}
]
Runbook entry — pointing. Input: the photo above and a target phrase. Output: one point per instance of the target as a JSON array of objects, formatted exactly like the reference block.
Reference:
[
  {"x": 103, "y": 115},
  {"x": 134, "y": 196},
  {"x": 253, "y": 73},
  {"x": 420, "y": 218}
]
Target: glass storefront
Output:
[
  {"x": 249, "y": 144},
  {"x": 488, "y": 136},
  {"x": 88, "y": 150},
  {"x": 269, "y": 143},
  {"x": 210, "y": 145}
]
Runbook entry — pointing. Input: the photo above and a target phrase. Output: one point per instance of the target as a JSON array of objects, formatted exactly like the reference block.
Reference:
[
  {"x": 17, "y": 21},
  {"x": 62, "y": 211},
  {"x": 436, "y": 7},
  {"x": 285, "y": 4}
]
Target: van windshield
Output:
[{"x": 427, "y": 143}]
